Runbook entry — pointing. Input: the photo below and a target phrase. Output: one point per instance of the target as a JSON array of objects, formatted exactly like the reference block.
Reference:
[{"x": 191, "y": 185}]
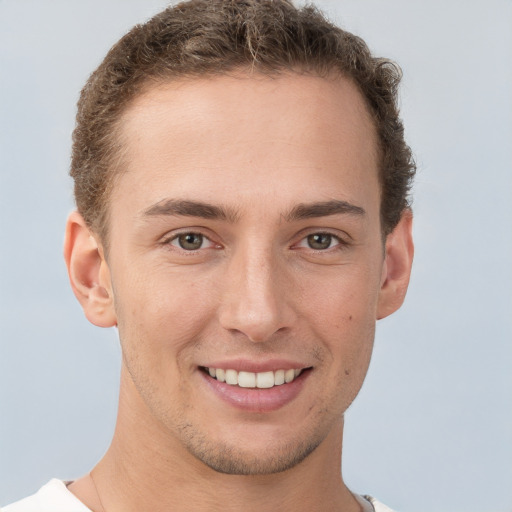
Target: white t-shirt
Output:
[
  {"x": 55, "y": 497},
  {"x": 52, "y": 497}
]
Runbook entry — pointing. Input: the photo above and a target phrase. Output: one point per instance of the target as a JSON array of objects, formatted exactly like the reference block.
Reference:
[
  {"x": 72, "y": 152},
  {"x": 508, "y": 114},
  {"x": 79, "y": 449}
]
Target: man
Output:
[{"x": 241, "y": 181}]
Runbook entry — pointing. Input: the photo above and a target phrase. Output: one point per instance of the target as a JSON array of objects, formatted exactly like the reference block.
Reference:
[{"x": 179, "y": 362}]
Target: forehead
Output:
[{"x": 238, "y": 136}]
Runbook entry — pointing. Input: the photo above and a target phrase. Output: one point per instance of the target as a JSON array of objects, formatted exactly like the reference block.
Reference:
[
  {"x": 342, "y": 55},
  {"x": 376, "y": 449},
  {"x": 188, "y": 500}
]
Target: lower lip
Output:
[{"x": 256, "y": 399}]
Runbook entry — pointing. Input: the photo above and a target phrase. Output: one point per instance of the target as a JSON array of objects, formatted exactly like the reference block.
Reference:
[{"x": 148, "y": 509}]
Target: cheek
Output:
[
  {"x": 345, "y": 300},
  {"x": 158, "y": 325},
  {"x": 343, "y": 315},
  {"x": 159, "y": 314}
]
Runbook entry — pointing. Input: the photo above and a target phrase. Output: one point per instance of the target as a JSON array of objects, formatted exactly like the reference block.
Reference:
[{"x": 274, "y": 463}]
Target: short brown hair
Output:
[{"x": 212, "y": 37}]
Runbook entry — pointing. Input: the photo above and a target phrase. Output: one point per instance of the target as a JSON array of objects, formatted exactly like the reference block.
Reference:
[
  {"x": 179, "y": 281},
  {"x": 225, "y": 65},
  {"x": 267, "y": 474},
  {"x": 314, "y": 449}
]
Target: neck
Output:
[{"x": 146, "y": 469}]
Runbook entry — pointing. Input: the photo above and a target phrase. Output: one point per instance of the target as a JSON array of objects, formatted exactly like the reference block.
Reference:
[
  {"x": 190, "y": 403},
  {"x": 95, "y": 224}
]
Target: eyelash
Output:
[
  {"x": 176, "y": 237},
  {"x": 340, "y": 242}
]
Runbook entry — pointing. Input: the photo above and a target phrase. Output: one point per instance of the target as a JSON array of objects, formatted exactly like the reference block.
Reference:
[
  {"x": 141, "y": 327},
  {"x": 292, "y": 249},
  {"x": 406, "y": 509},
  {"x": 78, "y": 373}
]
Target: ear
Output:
[
  {"x": 396, "y": 270},
  {"x": 88, "y": 272}
]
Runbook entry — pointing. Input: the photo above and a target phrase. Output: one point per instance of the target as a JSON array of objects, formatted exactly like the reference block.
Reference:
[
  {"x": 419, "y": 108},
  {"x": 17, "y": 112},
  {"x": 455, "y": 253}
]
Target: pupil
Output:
[
  {"x": 319, "y": 241},
  {"x": 190, "y": 241}
]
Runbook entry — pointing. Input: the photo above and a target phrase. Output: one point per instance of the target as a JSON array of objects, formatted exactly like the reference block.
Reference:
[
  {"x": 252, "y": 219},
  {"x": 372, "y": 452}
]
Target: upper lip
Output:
[{"x": 247, "y": 365}]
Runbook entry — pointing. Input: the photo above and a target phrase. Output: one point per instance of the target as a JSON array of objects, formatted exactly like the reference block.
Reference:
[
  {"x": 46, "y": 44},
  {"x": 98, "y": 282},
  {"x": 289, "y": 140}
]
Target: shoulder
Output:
[
  {"x": 377, "y": 505},
  {"x": 52, "y": 497}
]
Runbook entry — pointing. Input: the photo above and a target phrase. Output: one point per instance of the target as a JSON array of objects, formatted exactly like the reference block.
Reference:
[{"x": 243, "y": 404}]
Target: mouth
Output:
[
  {"x": 255, "y": 380},
  {"x": 263, "y": 391}
]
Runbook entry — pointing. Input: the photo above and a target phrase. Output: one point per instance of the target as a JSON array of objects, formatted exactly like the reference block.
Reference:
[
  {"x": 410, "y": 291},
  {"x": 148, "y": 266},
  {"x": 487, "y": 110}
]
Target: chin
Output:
[{"x": 262, "y": 460}]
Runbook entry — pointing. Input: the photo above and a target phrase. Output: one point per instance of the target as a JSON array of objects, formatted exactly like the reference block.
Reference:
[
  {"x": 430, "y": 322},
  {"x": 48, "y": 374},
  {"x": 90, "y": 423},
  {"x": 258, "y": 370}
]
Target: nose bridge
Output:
[{"x": 255, "y": 296}]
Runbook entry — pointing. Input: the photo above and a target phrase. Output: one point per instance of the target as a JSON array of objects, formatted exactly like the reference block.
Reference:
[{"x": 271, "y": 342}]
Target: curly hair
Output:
[{"x": 214, "y": 37}]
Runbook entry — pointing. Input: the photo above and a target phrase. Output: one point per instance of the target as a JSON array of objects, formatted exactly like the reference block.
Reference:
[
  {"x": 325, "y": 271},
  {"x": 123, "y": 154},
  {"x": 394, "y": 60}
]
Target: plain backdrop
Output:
[{"x": 432, "y": 428}]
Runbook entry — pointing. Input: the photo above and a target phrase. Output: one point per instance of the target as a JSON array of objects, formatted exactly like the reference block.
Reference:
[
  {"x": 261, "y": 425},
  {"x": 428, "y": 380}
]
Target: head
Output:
[
  {"x": 205, "y": 38},
  {"x": 237, "y": 166}
]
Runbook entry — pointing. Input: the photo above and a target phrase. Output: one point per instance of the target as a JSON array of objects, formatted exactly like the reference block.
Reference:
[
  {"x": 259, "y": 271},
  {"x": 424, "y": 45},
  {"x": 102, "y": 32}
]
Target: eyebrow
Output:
[
  {"x": 323, "y": 209},
  {"x": 187, "y": 208}
]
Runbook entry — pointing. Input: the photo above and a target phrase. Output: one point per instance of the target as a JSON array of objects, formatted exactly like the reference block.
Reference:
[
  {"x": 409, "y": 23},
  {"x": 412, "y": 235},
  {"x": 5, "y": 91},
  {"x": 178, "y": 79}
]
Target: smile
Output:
[{"x": 261, "y": 380}]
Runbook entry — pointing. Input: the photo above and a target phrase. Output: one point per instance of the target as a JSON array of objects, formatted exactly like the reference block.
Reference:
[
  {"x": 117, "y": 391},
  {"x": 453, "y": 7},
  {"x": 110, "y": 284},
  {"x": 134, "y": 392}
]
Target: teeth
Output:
[
  {"x": 232, "y": 377},
  {"x": 289, "y": 375},
  {"x": 260, "y": 380},
  {"x": 246, "y": 379},
  {"x": 265, "y": 380},
  {"x": 279, "y": 378}
]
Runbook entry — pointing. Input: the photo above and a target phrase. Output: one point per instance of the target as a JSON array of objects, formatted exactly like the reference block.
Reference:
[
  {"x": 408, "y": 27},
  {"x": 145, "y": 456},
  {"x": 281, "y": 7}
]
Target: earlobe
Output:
[
  {"x": 88, "y": 272},
  {"x": 397, "y": 267}
]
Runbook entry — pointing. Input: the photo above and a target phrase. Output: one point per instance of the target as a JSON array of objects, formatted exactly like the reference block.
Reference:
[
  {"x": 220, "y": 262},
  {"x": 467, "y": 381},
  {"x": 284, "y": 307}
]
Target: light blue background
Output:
[{"x": 432, "y": 428}]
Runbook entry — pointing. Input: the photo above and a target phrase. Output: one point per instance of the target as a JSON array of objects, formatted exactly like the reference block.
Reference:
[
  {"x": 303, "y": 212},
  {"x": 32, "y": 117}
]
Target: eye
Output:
[
  {"x": 191, "y": 241},
  {"x": 320, "y": 241}
]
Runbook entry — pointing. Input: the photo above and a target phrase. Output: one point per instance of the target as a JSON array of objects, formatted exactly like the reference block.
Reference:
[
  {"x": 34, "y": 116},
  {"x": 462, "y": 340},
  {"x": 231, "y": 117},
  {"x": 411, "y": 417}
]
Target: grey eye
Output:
[
  {"x": 319, "y": 241},
  {"x": 190, "y": 241}
]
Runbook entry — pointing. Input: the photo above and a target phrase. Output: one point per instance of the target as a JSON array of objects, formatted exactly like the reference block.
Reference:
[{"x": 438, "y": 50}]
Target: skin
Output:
[{"x": 259, "y": 151}]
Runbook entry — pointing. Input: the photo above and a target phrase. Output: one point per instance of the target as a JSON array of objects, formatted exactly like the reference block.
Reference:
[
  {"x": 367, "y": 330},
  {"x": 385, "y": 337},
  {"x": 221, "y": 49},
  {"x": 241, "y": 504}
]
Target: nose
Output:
[{"x": 256, "y": 296}]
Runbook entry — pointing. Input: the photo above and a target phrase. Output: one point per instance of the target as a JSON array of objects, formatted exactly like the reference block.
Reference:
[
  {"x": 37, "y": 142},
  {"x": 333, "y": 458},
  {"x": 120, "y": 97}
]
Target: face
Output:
[{"x": 245, "y": 250}]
